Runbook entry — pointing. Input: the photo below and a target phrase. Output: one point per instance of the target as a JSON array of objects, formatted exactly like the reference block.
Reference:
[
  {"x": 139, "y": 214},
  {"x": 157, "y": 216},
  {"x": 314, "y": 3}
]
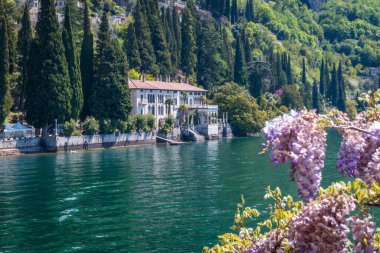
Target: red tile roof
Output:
[{"x": 157, "y": 85}]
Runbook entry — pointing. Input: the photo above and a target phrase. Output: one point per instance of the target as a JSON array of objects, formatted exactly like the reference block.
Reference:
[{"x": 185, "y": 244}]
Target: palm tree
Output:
[
  {"x": 169, "y": 102},
  {"x": 183, "y": 110}
]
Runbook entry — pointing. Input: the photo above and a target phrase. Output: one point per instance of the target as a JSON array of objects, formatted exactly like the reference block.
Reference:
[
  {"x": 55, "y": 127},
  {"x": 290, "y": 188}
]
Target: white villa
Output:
[{"x": 151, "y": 97}]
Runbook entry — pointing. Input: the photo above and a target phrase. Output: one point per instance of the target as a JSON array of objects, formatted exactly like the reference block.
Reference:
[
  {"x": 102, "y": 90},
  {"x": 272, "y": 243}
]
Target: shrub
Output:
[
  {"x": 69, "y": 128},
  {"x": 151, "y": 122},
  {"x": 141, "y": 123},
  {"x": 106, "y": 126},
  {"x": 90, "y": 126},
  {"x": 131, "y": 124}
]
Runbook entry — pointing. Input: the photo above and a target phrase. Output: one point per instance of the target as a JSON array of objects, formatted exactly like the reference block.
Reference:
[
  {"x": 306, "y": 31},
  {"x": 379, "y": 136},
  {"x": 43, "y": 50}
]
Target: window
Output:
[
  {"x": 161, "y": 110},
  {"x": 191, "y": 93},
  {"x": 160, "y": 99},
  {"x": 175, "y": 101},
  {"x": 142, "y": 97},
  {"x": 151, "y": 109},
  {"x": 151, "y": 98}
]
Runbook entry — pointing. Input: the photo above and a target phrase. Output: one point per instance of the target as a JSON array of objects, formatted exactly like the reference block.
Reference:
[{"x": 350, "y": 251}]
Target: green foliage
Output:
[
  {"x": 351, "y": 108},
  {"x": 106, "y": 126},
  {"x": 72, "y": 60},
  {"x": 133, "y": 74},
  {"x": 87, "y": 62},
  {"x": 143, "y": 36},
  {"x": 282, "y": 210},
  {"x": 243, "y": 111},
  {"x": 111, "y": 98},
  {"x": 291, "y": 98},
  {"x": 240, "y": 69},
  {"x": 69, "y": 128},
  {"x": 24, "y": 44},
  {"x": 189, "y": 50},
  {"x": 145, "y": 123},
  {"x": 49, "y": 93},
  {"x": 90, "y": 126},
  {"x": 131, "y": 48},
  {"x": 4, "y": 70}
]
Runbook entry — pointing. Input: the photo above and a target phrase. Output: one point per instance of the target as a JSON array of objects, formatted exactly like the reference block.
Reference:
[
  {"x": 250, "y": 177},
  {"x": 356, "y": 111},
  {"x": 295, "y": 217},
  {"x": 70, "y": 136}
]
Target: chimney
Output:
[
  {"x": 143, "y": 77},
  {"x": 180, "y": 79}
]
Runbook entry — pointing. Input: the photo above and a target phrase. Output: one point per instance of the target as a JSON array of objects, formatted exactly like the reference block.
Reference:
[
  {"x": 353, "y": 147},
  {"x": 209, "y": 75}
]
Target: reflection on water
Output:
[{"x": 139, "y": 199}]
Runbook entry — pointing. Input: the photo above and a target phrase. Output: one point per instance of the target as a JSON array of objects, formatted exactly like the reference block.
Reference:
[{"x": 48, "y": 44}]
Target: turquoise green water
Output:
[{"x": 138, "y": 199}]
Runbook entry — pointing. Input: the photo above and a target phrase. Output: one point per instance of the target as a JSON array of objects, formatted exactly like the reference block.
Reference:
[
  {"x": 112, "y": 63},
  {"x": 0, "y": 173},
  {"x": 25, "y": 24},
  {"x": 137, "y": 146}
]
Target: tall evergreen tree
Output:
[
  {"x": 8, "y": 11},
  {"x": 73, "y": 66},
  {"x": 211, "y": 67},
  {"x": 189, "y": 49},
  {"x": 341, "y": 101},
  {"x": 247, "y": 48},
  {"x": 317, "y": 103},
  {"x": 326, "y": 77},
  {"x": 227, "y": 54},
  {"x": 305, "y": 89},
  {"x": 111, "y": 99},
  {"x": 4, "y": 69},
  {"x": 322, "y": 87},
  {"x": 177, "y": 34},
  {"x": 24, "y": 46},
  {"x": 227, "y": 10},
  {"x": 87, "y": 62},
  {"x": 234, "y": 12},
  {"x": 249, "y": 11},
  {"x": 167, "y": 22},
  {"x": 148, "y": 58},
  {"x": 49, "y": 92},
  {"x": 158, "y": 38},
  {"x": 288, "y": 69},
  {"x": 334, "y": 87},
  {"x": 240, "y": 68},
  {"x": 132, "y": 49}
]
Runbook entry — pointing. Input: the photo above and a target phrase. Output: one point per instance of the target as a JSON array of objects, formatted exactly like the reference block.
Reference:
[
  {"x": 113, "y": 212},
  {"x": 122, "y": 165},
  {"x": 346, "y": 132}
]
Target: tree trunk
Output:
[{"x": 45, "y": 132}]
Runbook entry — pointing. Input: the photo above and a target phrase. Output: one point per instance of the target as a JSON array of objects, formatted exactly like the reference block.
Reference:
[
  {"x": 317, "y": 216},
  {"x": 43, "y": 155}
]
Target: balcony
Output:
[{"x": 143, "y": 102}]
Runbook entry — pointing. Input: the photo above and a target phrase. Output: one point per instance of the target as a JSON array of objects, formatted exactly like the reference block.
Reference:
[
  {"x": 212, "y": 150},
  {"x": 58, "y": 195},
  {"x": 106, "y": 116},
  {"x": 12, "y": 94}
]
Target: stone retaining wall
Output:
[{"x": 55, "y": 144}]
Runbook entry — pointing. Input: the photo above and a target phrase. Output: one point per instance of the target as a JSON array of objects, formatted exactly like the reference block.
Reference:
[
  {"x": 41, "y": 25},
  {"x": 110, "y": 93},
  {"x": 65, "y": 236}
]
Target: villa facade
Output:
[{"x": 162, "y": 99}]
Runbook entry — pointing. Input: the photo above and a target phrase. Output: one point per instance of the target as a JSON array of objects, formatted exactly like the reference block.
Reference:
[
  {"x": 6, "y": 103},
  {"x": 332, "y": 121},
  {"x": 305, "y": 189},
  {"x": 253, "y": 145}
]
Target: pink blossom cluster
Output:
[
  {"x": 271, "y": 243},
  {"x": 296, "y": 137},
  {"x": 322, "y": 226},
  {"x": 359, "y": 154},
  {"x": 362, "y": 233}
]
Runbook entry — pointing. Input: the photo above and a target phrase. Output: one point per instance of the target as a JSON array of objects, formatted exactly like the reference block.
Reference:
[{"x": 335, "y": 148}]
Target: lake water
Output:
[{"x": 136, "y": 199}]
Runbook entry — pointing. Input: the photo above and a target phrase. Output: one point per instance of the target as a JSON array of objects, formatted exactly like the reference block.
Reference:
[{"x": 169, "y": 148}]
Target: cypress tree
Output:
[
  {"x": 4, "y": 70},
  {"x": 227, "y": 10},
  {"x": 132, "y": 49},
  {"x": 322, "y": 87},
  {"x": 167, "y": 25},
  {"x": 227, "y": 54},
  {"x": 177, "y": 34},
  {"x": 7, "y": 10},
  {"x": 240, "y": 68},
  {"x": 249, "y": 11},
  {"x": 111, "y": 98},
  {"x": 247, "y": 48},
  {"x": 73, "y": 66},
  {"x": 289, "y": 72},
  {"x": 87, "y": 62},
  {"x": 305, "y": 90},
  {"x": 341, "y": 101},
  {"x": 316, "y": 98},
  {"x": 148, "y": 58},
  {"x": 159, "y": 41},
  {"x": 327, "y": 80},
  {"x": 334, "y": 87},
  {"x": 49, "y": 93},
  {"x": 24, "y": 45},
  {"x": 234, "y": 12},
  {"x": 189, "y": 49},
  {"x": 211, "y": 68}
]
